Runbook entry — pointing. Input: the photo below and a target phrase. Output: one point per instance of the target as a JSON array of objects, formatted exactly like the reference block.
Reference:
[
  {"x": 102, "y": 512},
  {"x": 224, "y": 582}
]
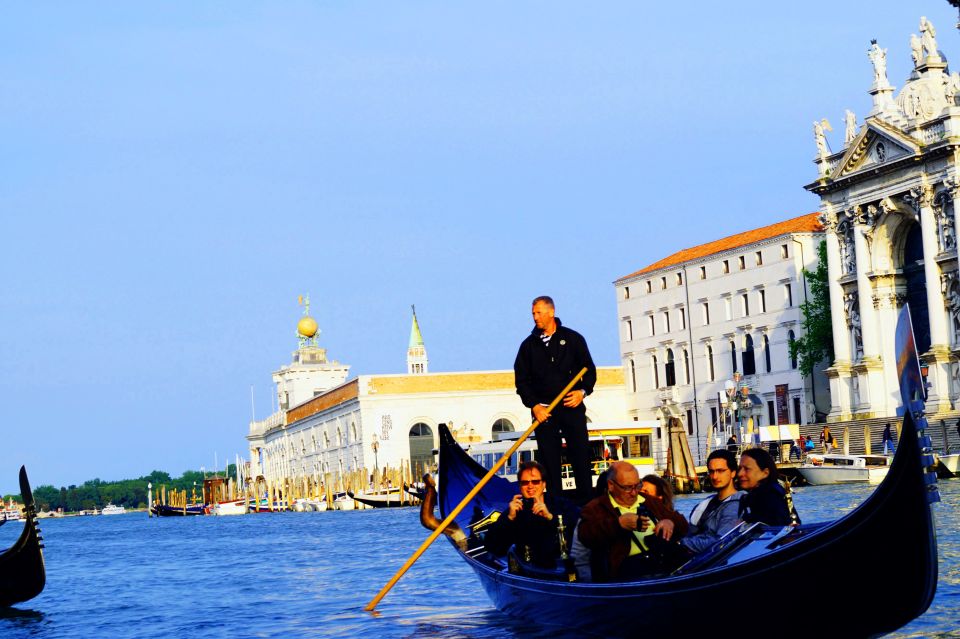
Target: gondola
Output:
[
  {"x": 22, "y": 572},
  {"x": 882, "y": 551},
  {"x": 383, "y": 498},
  {"x": 161, "y": 510}
]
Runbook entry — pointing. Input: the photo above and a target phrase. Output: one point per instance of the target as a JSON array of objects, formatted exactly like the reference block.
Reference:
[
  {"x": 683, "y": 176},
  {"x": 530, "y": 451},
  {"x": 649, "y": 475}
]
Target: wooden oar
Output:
[{"x": 466, "y": 500}]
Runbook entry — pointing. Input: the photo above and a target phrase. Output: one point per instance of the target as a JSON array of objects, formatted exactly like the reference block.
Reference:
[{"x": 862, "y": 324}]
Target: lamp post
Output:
[
  {"x": 738, "y": 400},
  {"x": 375, "y": 445}
]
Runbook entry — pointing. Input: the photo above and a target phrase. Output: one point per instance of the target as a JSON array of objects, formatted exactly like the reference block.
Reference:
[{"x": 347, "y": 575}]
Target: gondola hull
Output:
[
  {"x": 22, "y": 571},
  {"x": 882, "y": 551}
]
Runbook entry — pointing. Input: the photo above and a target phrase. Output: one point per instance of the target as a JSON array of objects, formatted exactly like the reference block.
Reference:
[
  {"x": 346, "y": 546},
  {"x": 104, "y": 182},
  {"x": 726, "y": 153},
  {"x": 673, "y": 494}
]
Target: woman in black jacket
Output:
[{"x": 766, "y": 500}]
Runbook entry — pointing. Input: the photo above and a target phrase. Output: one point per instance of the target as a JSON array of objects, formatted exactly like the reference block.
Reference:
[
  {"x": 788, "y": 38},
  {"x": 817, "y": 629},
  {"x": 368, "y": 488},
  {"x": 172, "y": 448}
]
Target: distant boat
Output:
[
  {"x": 160, "y": 510},
  {"x": 384, "y": 498},
  {"x": 820, "y": 470},
  {"x": 343, "y": 501},
  {"x": 225, "y": 508},
  {"x": 110, "y": 509},
  {"x": 22, "y": 571},
  {"x": 950, "y": 462}
]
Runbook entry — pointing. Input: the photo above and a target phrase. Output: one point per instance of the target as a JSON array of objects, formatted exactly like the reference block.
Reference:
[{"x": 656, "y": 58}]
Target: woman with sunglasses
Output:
[{"x": 530, "y": 521}]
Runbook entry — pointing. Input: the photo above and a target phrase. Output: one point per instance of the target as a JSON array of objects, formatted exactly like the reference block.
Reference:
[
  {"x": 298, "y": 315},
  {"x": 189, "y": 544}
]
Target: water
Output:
[{"x": 310, "y": 574}]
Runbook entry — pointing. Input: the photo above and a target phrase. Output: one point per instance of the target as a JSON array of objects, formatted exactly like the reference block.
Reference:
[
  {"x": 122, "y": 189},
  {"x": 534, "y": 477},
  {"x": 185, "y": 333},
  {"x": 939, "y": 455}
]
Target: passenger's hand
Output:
[
  {"x": 540, "y": 509},
  {"x": 628, "y": 521},
  {"x": 645, "y": 523},
  {"x": 574, "y": 398},
  {"x": 516, "y": 505},
  {"x": 664, "y": 529},
  {"x": 540, "y": 413}
]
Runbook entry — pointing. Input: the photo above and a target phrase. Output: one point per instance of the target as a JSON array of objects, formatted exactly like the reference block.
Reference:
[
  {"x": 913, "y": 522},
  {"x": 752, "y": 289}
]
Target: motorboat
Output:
[
  {"x": 950, "y": 463},
  {"x": 110, "y": 509},
  {"x": 828, "y": 468},
  {"x": 225, "y": 508},
  {"x": 343, "y": 501}
]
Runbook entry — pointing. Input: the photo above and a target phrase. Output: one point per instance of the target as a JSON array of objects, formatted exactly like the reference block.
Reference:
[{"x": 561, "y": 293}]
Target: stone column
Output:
[
  {"x": 869, "y": 324},
  {"x": 839, "y": 372},
  {"x": 938, "y": 357}
]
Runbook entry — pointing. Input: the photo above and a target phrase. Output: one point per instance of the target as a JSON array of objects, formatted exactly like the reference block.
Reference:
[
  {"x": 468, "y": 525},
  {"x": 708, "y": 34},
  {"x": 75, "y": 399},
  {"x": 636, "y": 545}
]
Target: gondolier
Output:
[{"x": 548, "y": 358}]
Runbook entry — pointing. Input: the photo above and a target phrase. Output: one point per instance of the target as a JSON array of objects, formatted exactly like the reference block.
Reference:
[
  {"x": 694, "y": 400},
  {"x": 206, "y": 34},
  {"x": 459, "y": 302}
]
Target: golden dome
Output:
[{"x": 307, "y": 326}]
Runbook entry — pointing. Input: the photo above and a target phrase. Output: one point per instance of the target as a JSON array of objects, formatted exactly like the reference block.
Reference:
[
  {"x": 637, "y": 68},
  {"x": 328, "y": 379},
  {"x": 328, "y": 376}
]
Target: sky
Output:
[{"x": 174, "y": 175}]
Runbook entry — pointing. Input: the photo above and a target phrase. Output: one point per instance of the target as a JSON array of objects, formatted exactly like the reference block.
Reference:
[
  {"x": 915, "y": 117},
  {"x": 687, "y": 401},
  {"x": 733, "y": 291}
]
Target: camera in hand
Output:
[
  {"x": 528, "y": 503},
  {"x": 643, "y": 511}
]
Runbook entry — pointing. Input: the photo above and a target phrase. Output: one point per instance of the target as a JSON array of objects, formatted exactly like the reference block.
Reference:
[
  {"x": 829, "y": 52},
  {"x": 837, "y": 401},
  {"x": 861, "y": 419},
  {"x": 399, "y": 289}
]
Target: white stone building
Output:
[
  {"x": 690, "y": 321},
  {"x": 377, "y": 421},
  {"x": 889, "y": 208}
]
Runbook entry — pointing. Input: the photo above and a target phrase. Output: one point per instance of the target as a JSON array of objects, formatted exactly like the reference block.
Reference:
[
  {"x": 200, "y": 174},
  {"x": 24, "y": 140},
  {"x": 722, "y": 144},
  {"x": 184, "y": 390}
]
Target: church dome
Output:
[{"x": 307, "y": 326}]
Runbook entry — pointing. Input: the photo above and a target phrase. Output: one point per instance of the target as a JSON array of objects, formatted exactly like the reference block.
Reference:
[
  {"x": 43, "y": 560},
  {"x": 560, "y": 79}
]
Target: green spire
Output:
[{"x": 416, "y": 339}]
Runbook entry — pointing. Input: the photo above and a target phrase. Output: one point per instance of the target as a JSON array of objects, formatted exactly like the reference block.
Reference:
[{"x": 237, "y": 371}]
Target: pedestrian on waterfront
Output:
[
  {"x": 826, "y": 440},
  {"x": 715, "y": 516},
  {"x": 887, "y": 440},
  {"x": 530, "y": 521},
  {"x": 618, "y": 528},
  {"x": 547, "y": 360},
  {"x": 765, "y": 499}
]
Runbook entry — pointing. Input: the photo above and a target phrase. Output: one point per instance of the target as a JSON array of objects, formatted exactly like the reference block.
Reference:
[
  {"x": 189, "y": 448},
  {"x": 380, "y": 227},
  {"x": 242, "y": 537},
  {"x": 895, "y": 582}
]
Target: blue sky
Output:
[{"x": 175, "y": 175}]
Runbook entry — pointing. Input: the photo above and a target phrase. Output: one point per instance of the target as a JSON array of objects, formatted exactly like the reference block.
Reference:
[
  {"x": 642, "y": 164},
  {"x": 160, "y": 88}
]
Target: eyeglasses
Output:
[
  {"x": 630, "y": 489},
  {"x": 531, "y": 482}
]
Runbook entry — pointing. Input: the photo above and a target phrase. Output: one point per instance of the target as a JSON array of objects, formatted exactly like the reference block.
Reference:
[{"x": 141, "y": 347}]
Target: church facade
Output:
[{"x": 888, "y": 201}]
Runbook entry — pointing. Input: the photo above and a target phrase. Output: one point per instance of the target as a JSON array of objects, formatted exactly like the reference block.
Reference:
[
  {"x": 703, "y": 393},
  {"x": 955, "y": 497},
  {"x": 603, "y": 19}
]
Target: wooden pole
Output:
[{"x": 466, "y": 500}]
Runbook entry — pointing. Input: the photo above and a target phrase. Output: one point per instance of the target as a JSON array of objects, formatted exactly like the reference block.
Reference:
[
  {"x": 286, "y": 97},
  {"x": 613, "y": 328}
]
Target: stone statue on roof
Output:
[
  {"x": 928, "y": 36},
  {"x": 878, "y": 57},
  {"x": 916, "y": 49},
  {"x": 851, "y": 131},
  {"x": 818, "y": 133}
]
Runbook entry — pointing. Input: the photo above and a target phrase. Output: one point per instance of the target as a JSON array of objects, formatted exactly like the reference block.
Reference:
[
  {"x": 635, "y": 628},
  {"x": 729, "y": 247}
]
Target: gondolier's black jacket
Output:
[{"x": 541, "y": 372}]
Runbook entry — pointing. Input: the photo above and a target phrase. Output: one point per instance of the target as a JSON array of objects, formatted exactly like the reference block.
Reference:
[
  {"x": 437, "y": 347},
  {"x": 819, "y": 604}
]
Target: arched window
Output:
[
  {"x": 669, "y": 370},
  {"x": 686, "y": 366},
  {"x": 353, "y": 431},
  {"x": 710, "y": 372},
  {"x": 733, "y": 357},
  {"x": 791, "y": 338},
  {"x": 502, "y": 426},
  {"x": 749, "y": 363},
  {"x": 656, "y": 373},
  {"x": 326, "y": 440},
  {"x": 421, "y": 448},
  {"x": 339, "y": 436},
  {"x": 766, "y": 352},
  {"x": 633, "y": 375}
]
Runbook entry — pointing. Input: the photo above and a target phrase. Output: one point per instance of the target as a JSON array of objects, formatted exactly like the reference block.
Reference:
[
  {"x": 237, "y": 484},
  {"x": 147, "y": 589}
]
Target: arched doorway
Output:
[
  {"x": 421, "y": 449},
  {"x": 916, "y": 287},
  {"x": 500, "y": 427}
]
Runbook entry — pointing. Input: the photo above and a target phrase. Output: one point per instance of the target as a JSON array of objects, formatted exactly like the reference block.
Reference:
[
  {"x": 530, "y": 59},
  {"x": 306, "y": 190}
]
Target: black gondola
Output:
[
  {"x": 22, "y": 572},
  {"x": 882, "y": 551}
]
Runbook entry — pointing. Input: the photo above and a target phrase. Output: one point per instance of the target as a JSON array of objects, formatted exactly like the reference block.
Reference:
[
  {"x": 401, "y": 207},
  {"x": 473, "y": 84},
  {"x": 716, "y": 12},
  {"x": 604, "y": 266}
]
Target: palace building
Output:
[{"x": 888, "y": 198}]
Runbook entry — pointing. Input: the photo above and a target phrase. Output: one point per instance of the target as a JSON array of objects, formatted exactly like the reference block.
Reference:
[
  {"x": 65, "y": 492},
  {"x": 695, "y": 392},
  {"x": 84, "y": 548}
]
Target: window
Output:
[
  {"x": 771, "y": 413},
  {"x": 745, "y": 303},
  {"x": 649, "y": 287},
  {"x": 683, "y": 319},
  {"x": 633, "y": 376},
  {"x": 766, "y": 352},
  {"x": 788, "y": 294},
  {"x": 742, "y": 261},
  {"x": 706, "y": 314},
  {"x": 703, "y": 272},
  {"x": 686, "y": 366},
  {"x": 666, "y": 321},
  {"x": 728, "y": 308},
  {"x": 669, "y": 370},
  {"x": 710, "y": 370},
  {"x": 759, "y": 258},
  {"x": 628, "y": 330},
  {"x": 762, "y": 295},
  {"x": 679, "y": 279},
  {"x": 663, "y": 282},
  {"x": 656, "y": 373},
  {"x": 797, "y": 417},
  {"x": 726, "y": 266},
  {"x": 652, "y": 324},
  {"x": 733, "y": 357},
  {"x": 749, "y": 364},
  {"x": 689, "y": 422},
  {"x": 713, "y": 418},
  {"x": 791, "y": 338},
  {"x": 626, "y": 292},
  {"x": 638, "y": 446},
  {"x": 784, "y": 252}
]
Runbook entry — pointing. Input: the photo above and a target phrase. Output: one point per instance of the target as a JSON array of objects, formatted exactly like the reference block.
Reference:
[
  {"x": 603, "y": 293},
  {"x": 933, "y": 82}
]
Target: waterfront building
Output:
[
  {"x": 888, "y": 198},
  {"x": 377, "y": 421},
  {"x": 691, "y": 321}
]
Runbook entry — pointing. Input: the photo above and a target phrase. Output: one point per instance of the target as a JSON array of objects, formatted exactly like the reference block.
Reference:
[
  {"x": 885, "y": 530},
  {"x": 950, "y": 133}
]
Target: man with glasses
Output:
[
  {"x": 530, "y": 521},
  {"x": 619, "y": 527},
  {"x": 715, "y": 516}
]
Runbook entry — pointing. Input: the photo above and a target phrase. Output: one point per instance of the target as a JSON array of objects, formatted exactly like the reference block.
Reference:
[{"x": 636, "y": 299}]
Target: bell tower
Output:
[{"x": 416, "y": 352}]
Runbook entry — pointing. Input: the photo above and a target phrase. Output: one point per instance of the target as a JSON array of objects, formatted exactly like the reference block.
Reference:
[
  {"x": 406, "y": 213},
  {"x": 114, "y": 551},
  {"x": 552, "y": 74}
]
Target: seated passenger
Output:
[
  {"x": 530, "y": 521},
  {"x": 657, "y": 486},
  {"x": 578, "y": 552},
  {"x": 618, "y": 527},
  {"x": 765, "y": 499},
  {"x": 713, "y": 517}
]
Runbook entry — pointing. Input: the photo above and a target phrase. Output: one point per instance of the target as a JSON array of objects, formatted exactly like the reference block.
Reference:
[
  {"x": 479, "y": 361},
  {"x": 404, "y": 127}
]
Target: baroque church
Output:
[{"x": 888, "y": 202}]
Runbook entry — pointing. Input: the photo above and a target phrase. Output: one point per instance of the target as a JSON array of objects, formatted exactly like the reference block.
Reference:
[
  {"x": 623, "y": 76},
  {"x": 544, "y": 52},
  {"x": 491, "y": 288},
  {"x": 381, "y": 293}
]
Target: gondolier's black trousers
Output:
[{"x": 570, "y": 424}]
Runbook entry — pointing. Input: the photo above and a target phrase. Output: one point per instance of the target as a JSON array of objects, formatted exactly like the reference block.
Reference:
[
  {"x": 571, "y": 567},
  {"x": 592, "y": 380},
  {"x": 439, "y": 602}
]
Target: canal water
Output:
[{"x": 310, "y": 574}]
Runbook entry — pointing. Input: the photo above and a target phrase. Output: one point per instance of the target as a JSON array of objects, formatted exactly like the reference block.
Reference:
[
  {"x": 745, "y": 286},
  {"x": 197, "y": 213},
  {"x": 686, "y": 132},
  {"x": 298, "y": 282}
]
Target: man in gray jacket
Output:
[{"x": 713, "y": 517}]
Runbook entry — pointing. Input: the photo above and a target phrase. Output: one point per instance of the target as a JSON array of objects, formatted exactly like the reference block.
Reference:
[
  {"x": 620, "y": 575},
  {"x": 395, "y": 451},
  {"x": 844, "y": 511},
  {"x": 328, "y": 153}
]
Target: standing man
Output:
[
  {"x": 715, "y": 516},
  {"x": 547, "y": 360}
]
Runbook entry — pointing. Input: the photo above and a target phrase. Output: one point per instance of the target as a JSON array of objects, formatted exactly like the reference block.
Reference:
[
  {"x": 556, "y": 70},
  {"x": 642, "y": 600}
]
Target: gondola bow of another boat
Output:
[{"x": 22, "y": 570}]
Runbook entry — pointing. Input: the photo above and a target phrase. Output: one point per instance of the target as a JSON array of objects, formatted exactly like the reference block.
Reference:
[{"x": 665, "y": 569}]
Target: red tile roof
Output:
[{"x": 803, "y": 224}]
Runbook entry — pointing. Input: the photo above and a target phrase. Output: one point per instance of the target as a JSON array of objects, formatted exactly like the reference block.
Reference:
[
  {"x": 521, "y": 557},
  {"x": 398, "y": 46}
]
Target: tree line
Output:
[{"x": 129, "y": 493}]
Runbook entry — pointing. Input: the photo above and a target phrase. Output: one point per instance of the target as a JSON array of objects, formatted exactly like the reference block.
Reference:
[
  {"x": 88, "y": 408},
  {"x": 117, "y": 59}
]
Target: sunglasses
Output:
[{"x": 531, "y": 482}]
